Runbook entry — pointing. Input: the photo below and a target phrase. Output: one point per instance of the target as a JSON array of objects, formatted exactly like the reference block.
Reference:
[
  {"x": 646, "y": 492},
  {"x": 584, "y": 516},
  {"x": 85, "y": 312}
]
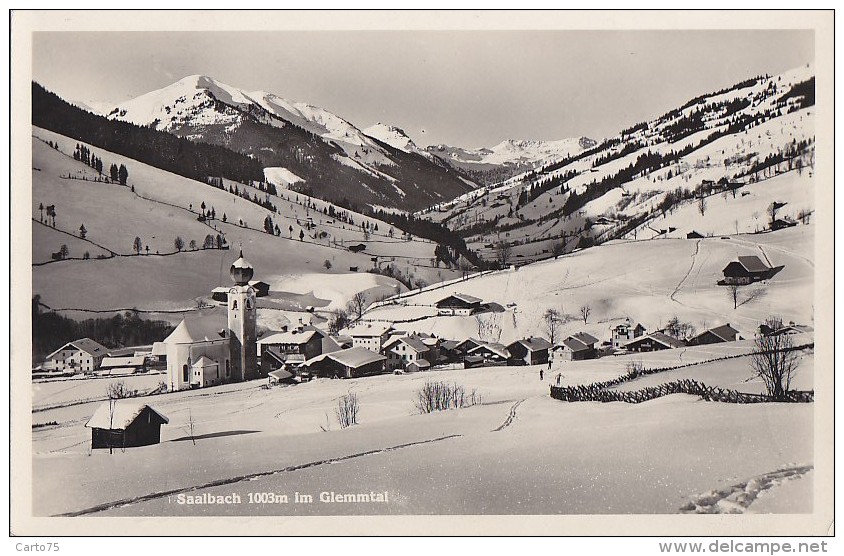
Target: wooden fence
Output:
[
  {"x": 593, "y": 393},
  {"x": 600, "y": 391}
]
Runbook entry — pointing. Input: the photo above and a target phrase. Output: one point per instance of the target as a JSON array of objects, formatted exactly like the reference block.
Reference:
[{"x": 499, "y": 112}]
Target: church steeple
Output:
[{"x": 241, "y": 271}]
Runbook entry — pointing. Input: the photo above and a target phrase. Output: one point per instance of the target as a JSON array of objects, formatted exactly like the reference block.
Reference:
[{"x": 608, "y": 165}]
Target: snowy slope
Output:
[
  {"x": 280, "y": 133},
  {"x": 395, "y": 137},
  {"x": 163, "y": 206},
  {"x": 757, "y": 132}
]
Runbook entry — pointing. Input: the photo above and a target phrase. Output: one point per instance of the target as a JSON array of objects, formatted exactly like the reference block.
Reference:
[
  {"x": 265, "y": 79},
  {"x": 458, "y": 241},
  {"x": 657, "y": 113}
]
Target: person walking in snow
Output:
[
  {"x": 541, "y": 374},
  {"x": 559, "y": 378}
]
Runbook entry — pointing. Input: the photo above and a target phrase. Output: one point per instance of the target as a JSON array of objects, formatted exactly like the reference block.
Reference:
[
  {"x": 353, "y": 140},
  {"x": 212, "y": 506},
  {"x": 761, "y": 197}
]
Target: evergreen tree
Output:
[
  {"x": 113, "y": 172},
  {"x": 122, "y": 174},
  {"x": 82, "y": 231}
]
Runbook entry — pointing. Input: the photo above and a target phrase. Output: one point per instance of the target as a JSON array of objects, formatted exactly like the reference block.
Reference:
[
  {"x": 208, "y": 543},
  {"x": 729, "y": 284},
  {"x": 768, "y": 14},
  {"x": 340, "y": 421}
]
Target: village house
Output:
[
  {"x": 624, "y": 332},
  {"x": 745, "y": 270},
  {"x": 221, "y": 294},
  {"x": 78, "y": 356},
  {"x": 655, "y": 341},
  {"x": 529, "y": 351},
  {"x": 448, "y": 351},
  {"x": 694, "y": 235},
  {"x": 408, "y": 353},
  {"x": 463, "y": 348},
  {"x": 491, "y": 353},
  {"x": 576, "y": 347},
  {"x": 125, "y": 424},
  {"x": 346, "y": 363},
  {"x": 790, "y": 328},
  {"x": 123, "y": 365},
  {"x": 723, "y": 333},
  {"x": 371, "y": 336},
  {"x": 458, "y": 304},
  {"x": 290, "y": 348}
]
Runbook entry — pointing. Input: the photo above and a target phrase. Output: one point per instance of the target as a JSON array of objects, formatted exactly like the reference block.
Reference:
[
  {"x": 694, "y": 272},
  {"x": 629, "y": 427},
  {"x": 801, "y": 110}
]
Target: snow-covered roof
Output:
[
  {"x": 752, "y": 263},
  {"x": 87, "y": 345},
  {"x": 369, "y": 330},
  {"x": 111, "y": 362},
  {"x": 159, "y": 348},
  {"x": 119, "y": 414},
  {"x": 415, "y": 344},
  {"x": 725, "y": 332},
  {"x": 290, "y": 337},
  {"x": 534, "y": 344},
  {"x": 203, "y": 362},
  {"x": 280, "y": 374},
  {"x": 198, "y": 329},
  {"x": 352, "y": 357},
  {"x": 493, "y": 347},
  {"x": 658, "y": 337},
  {"x": 587, "y": 339},
  {"x": 465, "y": 298},
  {"x": 574, "y": 344}
]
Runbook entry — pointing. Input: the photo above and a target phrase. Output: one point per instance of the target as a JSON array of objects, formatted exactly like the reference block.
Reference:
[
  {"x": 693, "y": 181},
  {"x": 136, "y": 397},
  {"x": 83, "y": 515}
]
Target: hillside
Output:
[
  {"x": 645, "y": 281},
  {"x": 157, "y": 206},
  {"x": 333, "y": 159},
  {"x": 740, "y": 149}
]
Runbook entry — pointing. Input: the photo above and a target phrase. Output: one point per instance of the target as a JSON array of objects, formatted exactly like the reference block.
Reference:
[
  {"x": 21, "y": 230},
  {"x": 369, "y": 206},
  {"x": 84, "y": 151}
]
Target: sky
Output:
[{"x": 461, "y": 88}]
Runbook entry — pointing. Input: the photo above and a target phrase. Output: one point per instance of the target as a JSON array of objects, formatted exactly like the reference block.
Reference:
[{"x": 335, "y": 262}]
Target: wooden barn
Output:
[
  {"x": 346, "y": 363},
  {"x": 723, "y": 333},
  {"x": 655, "y": 341},
  {"x": 746, "y": 270},
  {"x": 125, "y": 424},
  {"x": 577, "y": 347},
  {"x": 458, "y": 304},
  {"x": 530, "y": 351}
]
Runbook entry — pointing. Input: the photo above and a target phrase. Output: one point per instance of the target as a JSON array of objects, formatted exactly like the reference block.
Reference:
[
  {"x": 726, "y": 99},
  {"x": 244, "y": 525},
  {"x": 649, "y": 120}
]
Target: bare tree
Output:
[
  {"x": 585, "y": 310},
  {"x": 552, "y": 320},
  {"x": 774, "y": 360},
  {"x": 136, "y": 245},
  {"x": 732, "y": 291},
  {"x": 701, "y": 205},
  {"x": 338, "y": 320},
  {"x": 347, "y": 410},
  {"x": 357, "y": 304},
  {"x": 679, "y": 329},
  {"x": 179, "y": 243},
  {"x": 503, "y": 251}
]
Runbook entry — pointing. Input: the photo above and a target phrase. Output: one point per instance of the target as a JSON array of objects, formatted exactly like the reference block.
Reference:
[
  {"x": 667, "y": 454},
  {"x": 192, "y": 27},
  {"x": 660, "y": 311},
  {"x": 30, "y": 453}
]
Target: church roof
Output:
[
  {"x": 241, "y": 262},
  {"x": 197, "y": 329}
]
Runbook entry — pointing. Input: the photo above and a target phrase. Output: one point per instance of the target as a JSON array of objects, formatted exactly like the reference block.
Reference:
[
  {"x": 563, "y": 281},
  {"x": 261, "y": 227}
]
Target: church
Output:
[{"x": 206, "y": 350}]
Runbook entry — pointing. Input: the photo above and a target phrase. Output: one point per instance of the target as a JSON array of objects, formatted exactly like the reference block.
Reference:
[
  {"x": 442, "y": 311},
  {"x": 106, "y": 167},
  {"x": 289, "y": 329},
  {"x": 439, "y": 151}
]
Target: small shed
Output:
[
  {"x": 125, "y": 424},
  {"x": 694, "y": 235}
]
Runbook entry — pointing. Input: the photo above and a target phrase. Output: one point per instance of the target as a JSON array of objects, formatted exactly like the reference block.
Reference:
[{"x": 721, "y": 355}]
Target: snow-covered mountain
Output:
[
  {"x": 508, "y": 158},
  {"x": 395, "y": 137},
  {"x": 518, "y": 152},
  {"x": 713, "y": 166},
  {"x": 279, "y": 132}
]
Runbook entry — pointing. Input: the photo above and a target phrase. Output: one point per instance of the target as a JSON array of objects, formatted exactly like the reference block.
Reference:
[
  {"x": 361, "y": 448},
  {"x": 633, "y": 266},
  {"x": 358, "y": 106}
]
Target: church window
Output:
[
  {"x": 228, "y": 368},
  {"x": 185, "y": 373},
  {"x": 234, "y": 304}
]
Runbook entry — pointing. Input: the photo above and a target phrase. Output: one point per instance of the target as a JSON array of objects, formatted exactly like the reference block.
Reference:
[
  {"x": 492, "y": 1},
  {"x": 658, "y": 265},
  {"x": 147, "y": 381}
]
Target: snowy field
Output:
[
  {"x": 645, "y": 281},
  {"x": 518, "y": 452}
]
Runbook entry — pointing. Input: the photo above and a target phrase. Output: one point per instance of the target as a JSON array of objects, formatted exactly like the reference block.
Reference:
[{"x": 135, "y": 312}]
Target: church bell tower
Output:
[{"x": 242, "y": 317}]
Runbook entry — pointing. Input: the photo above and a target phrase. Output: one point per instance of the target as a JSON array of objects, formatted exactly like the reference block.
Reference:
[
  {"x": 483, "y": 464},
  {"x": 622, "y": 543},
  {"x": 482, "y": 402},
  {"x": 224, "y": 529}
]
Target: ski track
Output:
[
  {"x": 249, "y": 477},
  {"x": 737, "y": 499},
  {"x": 686, "y": 276},
  {"x": 510, "y": 417}
]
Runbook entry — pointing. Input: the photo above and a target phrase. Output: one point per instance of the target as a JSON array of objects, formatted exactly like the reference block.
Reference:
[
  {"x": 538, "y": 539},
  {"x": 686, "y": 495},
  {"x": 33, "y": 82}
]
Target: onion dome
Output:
[{"x": 241, "y": 271}]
